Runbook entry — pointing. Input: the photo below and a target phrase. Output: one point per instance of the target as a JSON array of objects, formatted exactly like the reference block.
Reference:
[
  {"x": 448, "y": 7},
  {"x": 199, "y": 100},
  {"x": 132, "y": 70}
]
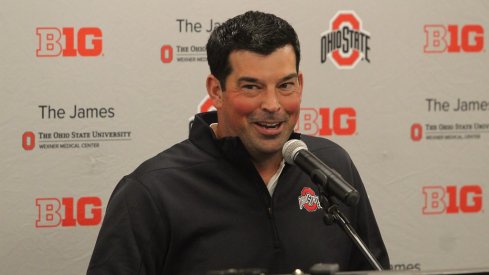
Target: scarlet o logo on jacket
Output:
[{"x": 308, "y": 200}]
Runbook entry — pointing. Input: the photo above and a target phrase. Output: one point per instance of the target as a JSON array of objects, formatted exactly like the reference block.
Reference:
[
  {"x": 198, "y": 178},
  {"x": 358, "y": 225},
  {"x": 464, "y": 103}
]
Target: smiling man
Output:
[
  {"x": 260, "y": 104},
  {"x": 224, "y": 198}
]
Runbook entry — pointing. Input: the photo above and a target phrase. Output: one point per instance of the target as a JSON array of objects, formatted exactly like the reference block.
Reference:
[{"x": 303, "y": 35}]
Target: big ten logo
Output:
[
  {"x": 340, "y": 121},
  {"x": 28, "y": 140},
  {"x": 166, "y": 54},
  {"x": 452, "y": 199},
  {"x": 69, "y": 42},
  {"x": 68, "y": 212},
  {"x": 454, "y": 38},
  {"x": 416, "y": 132}
]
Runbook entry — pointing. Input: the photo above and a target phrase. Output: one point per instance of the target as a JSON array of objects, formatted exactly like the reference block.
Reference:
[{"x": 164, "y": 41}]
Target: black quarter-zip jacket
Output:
[{"x": 201, "y": 205}]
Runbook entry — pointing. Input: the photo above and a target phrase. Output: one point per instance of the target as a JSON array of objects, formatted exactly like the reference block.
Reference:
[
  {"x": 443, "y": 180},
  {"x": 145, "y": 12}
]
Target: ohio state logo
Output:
[
  {"x": 308, "y": 200},
  {"x": 345, "y": 43}
]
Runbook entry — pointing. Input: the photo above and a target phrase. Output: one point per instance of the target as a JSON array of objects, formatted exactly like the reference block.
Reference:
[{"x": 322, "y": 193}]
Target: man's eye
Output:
[
  {"x": 250, "y": 87},
  {"x": 288, "y": 86}
]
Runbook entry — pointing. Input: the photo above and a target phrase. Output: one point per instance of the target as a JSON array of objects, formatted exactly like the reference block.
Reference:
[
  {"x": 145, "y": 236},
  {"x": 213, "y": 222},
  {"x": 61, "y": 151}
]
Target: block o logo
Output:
[
  {"x": 416, "y": 132},
  {"x": 28, "y": 141},
  {"x": 166, "y": 54}
]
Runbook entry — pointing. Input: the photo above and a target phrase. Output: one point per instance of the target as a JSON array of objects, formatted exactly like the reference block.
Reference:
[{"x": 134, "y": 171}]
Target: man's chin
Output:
[{"x": 271, "y": 146}]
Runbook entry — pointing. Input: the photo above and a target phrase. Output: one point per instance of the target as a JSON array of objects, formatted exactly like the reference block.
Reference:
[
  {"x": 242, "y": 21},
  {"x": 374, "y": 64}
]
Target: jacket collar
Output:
[{"x": 232, "y": 148}]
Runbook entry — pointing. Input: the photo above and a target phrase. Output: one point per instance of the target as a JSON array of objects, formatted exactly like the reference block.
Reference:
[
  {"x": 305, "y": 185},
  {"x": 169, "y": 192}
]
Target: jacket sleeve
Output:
[
  {"x": 133, "y": 238},
  {"x": 366, "y": 226}
]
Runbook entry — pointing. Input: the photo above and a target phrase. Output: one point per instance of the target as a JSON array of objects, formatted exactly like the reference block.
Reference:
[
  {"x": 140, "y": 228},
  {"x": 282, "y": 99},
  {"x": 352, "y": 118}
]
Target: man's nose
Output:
[{"x": 270, "y": 102}]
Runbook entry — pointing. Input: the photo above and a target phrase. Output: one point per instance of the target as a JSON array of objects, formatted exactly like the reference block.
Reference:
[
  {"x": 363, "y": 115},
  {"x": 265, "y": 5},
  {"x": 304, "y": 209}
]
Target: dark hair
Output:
[{"x": 253, "y": 31}]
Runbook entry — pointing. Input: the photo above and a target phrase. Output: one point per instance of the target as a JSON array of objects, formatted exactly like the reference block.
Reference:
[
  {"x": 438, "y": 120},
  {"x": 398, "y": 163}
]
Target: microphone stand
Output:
[{"x": 333, "y": 214}]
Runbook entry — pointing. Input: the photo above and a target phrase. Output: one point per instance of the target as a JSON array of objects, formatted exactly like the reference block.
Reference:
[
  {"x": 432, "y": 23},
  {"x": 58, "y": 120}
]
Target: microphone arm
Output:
[
  {"x": 329, "y": 193},
  {"x": 333, "y": 214}
]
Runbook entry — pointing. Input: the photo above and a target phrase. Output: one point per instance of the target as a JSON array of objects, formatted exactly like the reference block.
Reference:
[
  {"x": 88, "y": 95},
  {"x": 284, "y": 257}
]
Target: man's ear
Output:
[
  {"x": 214, "y": 91},
  {"x": 300, "y": 79}
]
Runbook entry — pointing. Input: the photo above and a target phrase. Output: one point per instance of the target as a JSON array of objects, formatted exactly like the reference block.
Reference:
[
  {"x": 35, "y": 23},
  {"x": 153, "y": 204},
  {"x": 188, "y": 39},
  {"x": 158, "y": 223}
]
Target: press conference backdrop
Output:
[{"x": 90, "y": 89}]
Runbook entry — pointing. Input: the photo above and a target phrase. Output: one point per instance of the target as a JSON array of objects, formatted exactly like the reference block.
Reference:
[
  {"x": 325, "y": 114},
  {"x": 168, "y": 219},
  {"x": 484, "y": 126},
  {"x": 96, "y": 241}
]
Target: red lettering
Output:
[
  {"x": 69, "y": 219},
  {"x": 471, "y": 199},
  {"x": 326, "y": 128},
  {"x": 96, "y": 42},
  {"x": 344, "y": 121},
  {"x": 465, "y": 38},
  {"x": 88, "y": 42},
  {"x": 453, "y": 47},
  {"x": 69, "y": 49},
  {"x": 340, "y": 121},
  {"x": 452, "y": 199},
  {"x": 475, "y": 33},
  {"x": 95, "y": 209},
  {"x": 52, "y": 213}
]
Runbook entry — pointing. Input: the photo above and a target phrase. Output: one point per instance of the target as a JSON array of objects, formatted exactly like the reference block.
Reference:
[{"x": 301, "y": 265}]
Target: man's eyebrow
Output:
[
  {"x": 255, "y": 80},
  {"x": 289, "y": 77},
  {"x": 247, "y": 79}
]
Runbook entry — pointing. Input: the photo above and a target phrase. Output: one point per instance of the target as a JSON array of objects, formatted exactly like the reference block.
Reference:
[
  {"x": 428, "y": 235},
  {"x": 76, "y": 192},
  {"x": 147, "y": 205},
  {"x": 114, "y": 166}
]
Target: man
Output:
[{"x": 224, "y": 197}]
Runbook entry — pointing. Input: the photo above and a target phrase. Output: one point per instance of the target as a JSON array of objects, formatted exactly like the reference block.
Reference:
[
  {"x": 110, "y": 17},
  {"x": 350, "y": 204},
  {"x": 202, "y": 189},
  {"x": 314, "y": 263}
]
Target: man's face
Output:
[{"x": 262, "y": 99}]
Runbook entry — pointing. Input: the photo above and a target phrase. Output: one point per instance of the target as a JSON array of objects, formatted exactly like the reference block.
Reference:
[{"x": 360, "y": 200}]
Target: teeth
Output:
[{"x": 269, "y": 125}]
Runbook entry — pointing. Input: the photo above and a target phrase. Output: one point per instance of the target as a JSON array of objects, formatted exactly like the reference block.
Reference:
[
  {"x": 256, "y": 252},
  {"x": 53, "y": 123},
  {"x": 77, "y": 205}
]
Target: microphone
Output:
[{"x": 295, "y": 152}]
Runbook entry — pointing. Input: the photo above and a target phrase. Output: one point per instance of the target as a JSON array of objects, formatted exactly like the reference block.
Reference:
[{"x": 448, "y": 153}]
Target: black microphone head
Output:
[{"x": 291, "y": 148}]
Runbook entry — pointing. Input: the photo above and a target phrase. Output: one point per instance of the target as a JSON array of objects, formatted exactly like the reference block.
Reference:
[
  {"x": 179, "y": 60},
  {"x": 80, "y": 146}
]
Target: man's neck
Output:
[{"x": 266, "y": 166}]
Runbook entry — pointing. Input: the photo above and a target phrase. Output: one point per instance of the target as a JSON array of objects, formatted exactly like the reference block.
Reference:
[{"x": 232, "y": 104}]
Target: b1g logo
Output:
[
  {"x": 452, "y": 199},
  {"x": 345, "y": 43},
  {"x": 326, "y": 121},
  {"x": 454, "y": 38},
  {"x": 53, "y": 212},
  {"x": 69, "y": 42}
]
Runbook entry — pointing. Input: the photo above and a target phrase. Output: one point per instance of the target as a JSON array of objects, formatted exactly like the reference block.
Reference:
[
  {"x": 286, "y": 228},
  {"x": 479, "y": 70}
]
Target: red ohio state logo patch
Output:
[{"x": 308, "y": 200}]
